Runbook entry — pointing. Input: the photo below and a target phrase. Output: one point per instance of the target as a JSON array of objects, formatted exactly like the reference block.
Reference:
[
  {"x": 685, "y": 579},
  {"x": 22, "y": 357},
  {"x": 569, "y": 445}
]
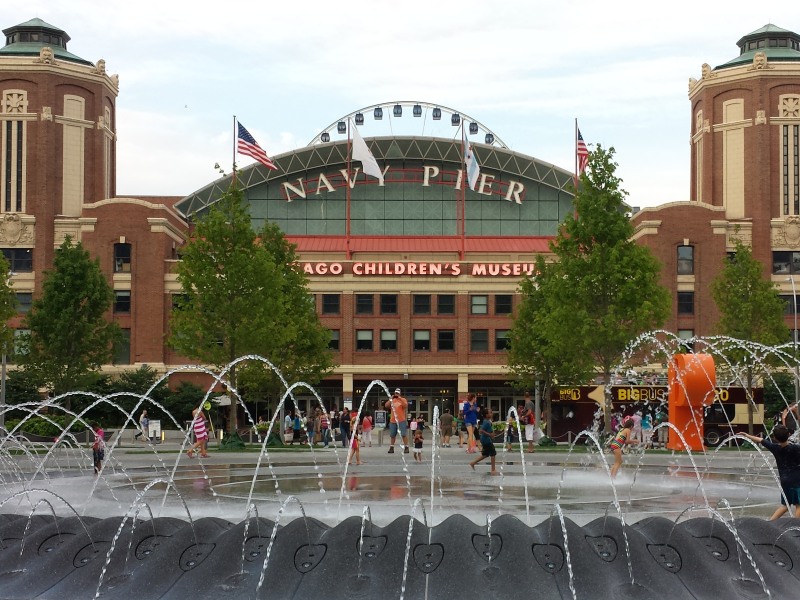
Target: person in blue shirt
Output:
[
  {"x": 470, "y": 413},
  {"x": 487, "y": 443}
]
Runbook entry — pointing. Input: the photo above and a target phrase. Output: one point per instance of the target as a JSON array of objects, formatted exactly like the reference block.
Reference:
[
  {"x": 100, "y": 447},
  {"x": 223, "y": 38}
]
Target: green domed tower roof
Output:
[
  {"x": 27, "y": 39},
  {"x": 780, "y": 45}
]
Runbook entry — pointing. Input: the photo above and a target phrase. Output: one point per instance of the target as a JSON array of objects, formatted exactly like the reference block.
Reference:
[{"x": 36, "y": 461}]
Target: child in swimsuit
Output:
[{"x": 622, "y": 438}]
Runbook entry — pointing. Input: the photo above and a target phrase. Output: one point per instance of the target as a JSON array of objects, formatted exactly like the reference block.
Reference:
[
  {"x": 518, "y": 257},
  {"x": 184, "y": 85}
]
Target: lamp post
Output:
[{"x": 794, "y": 337}]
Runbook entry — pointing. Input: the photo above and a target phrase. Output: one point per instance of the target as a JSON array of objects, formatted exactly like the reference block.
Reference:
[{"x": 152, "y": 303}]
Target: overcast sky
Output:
[{"x": 524, "y": 68}]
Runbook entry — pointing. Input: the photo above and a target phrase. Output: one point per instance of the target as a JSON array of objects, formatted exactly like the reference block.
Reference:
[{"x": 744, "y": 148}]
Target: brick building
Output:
[
  {"x": 745, "y": 179},
  {"x": 58, "y": 164},
  {"x": 416, "y": 280}
]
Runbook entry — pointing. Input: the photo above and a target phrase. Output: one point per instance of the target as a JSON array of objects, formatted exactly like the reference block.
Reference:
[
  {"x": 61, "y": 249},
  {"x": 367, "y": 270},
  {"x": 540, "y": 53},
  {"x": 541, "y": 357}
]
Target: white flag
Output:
[
  {"x": 360, "y": 152},
  {"x": 473, "y": 169}
]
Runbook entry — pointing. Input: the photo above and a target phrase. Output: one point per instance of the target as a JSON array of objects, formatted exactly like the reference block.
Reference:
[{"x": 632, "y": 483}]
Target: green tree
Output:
[
  {"x": 538, "y": 354},
  {"x": 70, "y": 337},
  {"x": 244, "y": 293},
  {"x": 603, "y": 291},
  {"x": 751, "y": 311}
]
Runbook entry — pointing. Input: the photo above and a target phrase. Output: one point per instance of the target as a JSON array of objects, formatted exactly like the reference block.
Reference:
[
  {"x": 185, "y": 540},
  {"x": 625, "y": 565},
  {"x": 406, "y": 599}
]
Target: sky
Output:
[{"x": 526, "y": 69}]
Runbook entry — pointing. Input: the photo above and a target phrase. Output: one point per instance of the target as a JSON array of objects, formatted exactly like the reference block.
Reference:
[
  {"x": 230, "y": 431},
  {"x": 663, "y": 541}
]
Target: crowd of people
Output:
[{"x": 475, "y": 432}]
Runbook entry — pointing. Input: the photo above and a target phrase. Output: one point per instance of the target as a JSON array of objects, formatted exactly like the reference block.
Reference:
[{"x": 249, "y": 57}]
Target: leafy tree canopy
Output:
[
  {"x": 602, "y": 291},
  {"x": 70, "y": 337},
  {"x": 244, "y": 293}
]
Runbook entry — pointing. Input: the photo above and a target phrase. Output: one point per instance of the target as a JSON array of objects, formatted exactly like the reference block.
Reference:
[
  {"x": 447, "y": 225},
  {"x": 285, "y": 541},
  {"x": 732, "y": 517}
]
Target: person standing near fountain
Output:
[
  {"x": 98, "y": 447},
  {"x": 418, "y": 441},
  {"x": 324, "y": 427},
  {"x": 144, "y": 425},
  {"x": 344, "y": 426},
  {"x": 446, "y": 427},
  {"x": 787, "y": 459},
  {"x": 355, "y": 448},
  {"x": 470, "y": 416},
  {"x": 397, "y": 406},
  {"x": 623, "y": 437},
  {"x": 487, "y": 443},
  {"x": 200, "y": 434},
  {"x": 366, "y": 429},
  {"x": 529, "y": 418}
]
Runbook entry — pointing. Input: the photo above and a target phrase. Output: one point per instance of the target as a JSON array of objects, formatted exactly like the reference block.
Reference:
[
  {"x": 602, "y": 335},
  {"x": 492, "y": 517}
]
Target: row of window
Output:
[
  {"x": 422, "y": 304},
  {"x": 421, "y": 340},
  {"x": 20, "y": 260}
]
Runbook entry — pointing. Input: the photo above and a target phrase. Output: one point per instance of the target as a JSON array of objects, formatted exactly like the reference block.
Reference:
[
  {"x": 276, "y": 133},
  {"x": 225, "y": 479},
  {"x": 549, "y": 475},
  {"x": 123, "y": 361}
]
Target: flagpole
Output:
[
  {"x": 575, "y": 154},
  {"x": 462, "y": 224},
  {"x": 347, "y": 190},
  {"x": 235, "y": 137}
]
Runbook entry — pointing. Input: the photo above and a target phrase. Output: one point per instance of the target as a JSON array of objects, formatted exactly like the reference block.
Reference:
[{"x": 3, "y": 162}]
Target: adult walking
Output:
[
  {"x": 397, "y": 406},
  {"x": 144, "y": 427},
  {"x": 470, "y": 416}
]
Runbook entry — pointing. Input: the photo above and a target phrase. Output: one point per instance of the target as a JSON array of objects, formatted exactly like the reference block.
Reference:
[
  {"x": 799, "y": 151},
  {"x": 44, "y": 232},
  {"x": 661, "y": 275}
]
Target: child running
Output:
[
  {"x": 200, "y": 434},
  {"x": 623, "y": 437},
  {"x": 355, "y": 448},
  {"x": 418, "y": 445},
  {"x": 98, "y": 447},
  {"x": 787, "y": 459},
  {"x": 487, "y": 445}
]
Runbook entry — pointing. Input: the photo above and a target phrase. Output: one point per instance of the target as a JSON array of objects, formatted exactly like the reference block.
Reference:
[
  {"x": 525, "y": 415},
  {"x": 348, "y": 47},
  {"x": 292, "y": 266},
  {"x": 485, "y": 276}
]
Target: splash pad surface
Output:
[{"x": 655, "y": 483}]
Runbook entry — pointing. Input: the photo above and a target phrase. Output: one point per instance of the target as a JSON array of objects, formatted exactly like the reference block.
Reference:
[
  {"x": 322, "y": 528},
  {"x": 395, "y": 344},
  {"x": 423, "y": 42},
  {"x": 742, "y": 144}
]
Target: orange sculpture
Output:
[{"x": 692, "y": 384}]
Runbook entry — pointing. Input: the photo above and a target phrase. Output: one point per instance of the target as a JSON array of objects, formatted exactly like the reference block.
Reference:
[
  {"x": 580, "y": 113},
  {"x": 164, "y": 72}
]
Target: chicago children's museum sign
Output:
[{"x": 435, "y": 269}]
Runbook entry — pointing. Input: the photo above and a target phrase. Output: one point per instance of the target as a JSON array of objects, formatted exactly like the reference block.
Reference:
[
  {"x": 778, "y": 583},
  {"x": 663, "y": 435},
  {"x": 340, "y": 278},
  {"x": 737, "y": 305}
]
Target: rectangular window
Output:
[
  {"x": 479, "y": 340},
  {"x": 479, "y": 304},
  {"x": 24, "y": 301},
  {"x": 422, "y": 339},
  {"x": 790, "y": 303},
  {"x": 122, "y": 349},
  {"x": 685, "y": 303},
  {"x": 20, "y": 344},
  {"x": 446, "y": 304},
  {"x": 364, "y": 304},
  {"x": 685, "y": 260},
  {"x": 20, "y": 260},
  {"x": 122, "y": 259},
  {"x": 503, "y": 304},
  {"x": 333, "y": 344},
  {"x": 422, "y": 304},
  {"x": 446, "y": 340},
  {"x": 388, "y": 304},
  {"x": 364, "y": 340},
  {"x": 501, "y": 340},
  {"x": 330, "y": 304},
  {"x": 388, "y": 340},
  {"x": 686, "y": 334},
  {"x": 785, "y": 262},
  {"x": 122, "y": 302}
]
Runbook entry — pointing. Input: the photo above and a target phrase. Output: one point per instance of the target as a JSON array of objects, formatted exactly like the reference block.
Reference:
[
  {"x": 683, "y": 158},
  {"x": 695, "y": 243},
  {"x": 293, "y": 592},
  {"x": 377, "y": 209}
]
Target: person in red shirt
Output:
[{"x": 397, "y": 406}]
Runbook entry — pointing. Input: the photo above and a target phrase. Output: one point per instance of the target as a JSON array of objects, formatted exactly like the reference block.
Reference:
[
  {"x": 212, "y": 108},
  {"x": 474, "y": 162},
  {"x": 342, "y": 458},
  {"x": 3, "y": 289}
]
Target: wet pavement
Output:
[{"x": 284, "y": 484}]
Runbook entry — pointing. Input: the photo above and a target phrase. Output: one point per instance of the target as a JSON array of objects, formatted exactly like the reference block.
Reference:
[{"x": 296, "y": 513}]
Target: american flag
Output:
[
  {"x": 583, "y": 153},
  {"x": 247, "y": 145}
]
